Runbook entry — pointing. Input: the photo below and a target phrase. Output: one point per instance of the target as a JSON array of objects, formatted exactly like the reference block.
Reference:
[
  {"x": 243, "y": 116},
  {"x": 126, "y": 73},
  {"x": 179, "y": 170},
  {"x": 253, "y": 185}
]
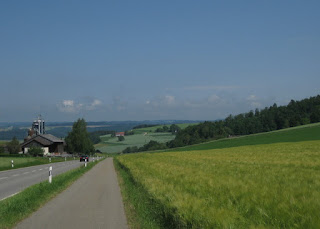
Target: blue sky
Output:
[{"x": 149, "y": 60}]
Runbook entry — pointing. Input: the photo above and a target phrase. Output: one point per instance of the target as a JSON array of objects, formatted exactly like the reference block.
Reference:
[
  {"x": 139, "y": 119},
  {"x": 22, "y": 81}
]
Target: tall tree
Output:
[
  {"x": 14, "y": 146},
  {"x": 78, "y": 140}
]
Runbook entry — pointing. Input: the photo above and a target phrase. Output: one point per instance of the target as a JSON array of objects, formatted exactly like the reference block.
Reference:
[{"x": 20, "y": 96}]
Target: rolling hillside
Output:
[
  {"x": 141, "y": 137},
  {"x": 294, "y": 134}
]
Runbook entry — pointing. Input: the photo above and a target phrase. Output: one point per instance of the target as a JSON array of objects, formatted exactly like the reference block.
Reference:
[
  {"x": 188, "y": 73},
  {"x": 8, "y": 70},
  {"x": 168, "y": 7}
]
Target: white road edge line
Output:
[
  {"x": 15, "y": 175},
  {"x": 10, "y": 196},
  {"x": 26, "y": 172},
  {"x": 4, "y": 178},
  {"x": 34, "y": 171}
]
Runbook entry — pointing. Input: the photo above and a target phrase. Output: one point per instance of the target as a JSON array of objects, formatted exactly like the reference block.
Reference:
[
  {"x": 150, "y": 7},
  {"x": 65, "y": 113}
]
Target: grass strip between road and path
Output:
[
  {"x": 18, "y": 207},
  {"x": 21, "y": 162},
  {"x": 142, "y": 209}
]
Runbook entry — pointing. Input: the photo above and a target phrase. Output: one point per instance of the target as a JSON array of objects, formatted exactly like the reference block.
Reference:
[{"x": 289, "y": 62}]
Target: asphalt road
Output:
[
  {"x": 15, "y": 180},
  {"x": 93, "y": 201}
]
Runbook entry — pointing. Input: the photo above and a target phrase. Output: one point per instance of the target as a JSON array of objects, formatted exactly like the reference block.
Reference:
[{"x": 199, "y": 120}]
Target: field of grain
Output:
[{"x": 266, "y": 186}]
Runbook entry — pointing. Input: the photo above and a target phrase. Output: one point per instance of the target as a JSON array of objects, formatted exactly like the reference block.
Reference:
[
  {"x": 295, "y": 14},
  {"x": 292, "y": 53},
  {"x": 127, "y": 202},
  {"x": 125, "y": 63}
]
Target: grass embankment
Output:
[
  {"x": 20, "y": 206},
  {"x": 255, "y": 186},
  {"x": 295, "y": 134},
  {"x": 20, "y": 162}
]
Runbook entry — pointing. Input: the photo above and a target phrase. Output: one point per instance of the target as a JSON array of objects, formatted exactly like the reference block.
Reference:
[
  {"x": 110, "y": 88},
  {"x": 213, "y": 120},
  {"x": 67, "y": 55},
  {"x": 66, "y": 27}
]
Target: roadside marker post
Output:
[
  {"x": 12, "y": 165},
  {"x": 50, "y": 174},
  {"x": 85, "y": 162}
]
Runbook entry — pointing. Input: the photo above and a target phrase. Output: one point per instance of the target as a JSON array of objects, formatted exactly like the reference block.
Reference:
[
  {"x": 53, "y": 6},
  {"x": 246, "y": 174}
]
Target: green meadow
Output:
[
  {"x": 110, "y": 144},
  {"x": 141, "y": 137},
  {"x": 153, "y": 128},
  {"x": 295, "y": 134},
  {"x": 269, "y": 180}
]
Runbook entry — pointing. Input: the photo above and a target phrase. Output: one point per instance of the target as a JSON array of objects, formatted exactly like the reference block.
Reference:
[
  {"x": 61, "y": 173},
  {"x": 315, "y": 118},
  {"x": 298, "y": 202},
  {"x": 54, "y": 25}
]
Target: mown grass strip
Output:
[
  {"x": 21, "y": 162},
  {"x": 20, "y": 206}
]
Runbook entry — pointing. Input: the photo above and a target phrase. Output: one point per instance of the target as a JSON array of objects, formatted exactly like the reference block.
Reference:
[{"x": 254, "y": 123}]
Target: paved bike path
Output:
[{"x": 93, "y": 201}]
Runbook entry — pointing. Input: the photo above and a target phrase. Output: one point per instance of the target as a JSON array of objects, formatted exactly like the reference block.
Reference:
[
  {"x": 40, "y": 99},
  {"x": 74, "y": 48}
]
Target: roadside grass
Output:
[
  {"x": 254, "y": 186},
  {"x": 20, "y": 162},
  {"x": 20, "y": 206},
  {"x": 141, "y": 212},
  {"x": 294, "y": 134}
]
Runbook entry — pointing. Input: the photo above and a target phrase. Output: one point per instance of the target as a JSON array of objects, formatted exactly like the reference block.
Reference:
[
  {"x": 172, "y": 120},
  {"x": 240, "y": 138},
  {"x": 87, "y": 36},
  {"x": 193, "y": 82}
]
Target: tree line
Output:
[{"x": 268, "y": 119}]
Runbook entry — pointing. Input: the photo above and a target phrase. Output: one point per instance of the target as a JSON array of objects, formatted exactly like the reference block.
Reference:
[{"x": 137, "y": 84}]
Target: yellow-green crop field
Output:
[{"x": 260, "y": 186}]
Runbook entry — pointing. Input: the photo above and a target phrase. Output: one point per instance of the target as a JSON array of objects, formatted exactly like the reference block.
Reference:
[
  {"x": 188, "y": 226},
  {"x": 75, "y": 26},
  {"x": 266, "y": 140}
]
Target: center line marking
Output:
[
  {"x": 26, "y": 172},
  {"x": 40, "y": 169},
  {"x": 34, "y": 171},
  {"x": 15, "y": 175},
  {"x": 3, "y": 178}
]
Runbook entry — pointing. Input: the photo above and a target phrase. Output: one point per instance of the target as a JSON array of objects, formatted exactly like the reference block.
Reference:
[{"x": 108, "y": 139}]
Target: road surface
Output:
[
  {"x": 15, "y": 180},
  {"x": 93, "y": 201}
]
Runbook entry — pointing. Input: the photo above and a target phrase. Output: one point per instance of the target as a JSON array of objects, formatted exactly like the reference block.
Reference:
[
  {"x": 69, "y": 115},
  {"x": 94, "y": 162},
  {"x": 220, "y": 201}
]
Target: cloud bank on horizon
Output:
[{"x": 147, "y": 60}]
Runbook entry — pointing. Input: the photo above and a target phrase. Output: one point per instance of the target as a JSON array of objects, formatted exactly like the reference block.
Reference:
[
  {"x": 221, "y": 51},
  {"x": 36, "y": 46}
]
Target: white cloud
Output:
[
  {"x": 93, "y": 105},
  {"x": 162, "y": 101},
  {"x": 214, "y": 99},
  {"x": 71, "y": 106},
  {"x": 254, "y": 102},
  {"x": 252, "y": 98},
  {"x": 68, "y": 102},
  {"x": 169, "y": 99},
  {"x": 68, "y": 106}
]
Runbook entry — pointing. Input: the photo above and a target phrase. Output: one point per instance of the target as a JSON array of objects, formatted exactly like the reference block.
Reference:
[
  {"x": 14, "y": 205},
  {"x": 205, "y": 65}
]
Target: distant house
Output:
[
  {"x": 49, "y": 143},
  {"x": 119, "y": 134}
]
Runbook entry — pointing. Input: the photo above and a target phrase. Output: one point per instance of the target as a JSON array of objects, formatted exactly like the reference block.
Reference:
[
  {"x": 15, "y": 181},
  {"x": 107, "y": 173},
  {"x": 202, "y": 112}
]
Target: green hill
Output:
[{"x": 294, "y": 134}]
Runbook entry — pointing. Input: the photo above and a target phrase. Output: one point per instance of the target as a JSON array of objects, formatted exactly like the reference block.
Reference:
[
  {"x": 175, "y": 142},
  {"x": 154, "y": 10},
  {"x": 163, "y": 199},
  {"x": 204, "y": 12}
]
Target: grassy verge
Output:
[
  {"x": 143, "y": 211},
  {"x": 20, "y": 206},
  {"x": 20, "y": 162}
]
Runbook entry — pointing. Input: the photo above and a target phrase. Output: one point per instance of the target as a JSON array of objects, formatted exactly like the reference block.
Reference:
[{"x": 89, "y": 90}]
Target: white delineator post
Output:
[
  {"x": 12, "y": 165},
  {"x": 85, "y": 162},
  {"x": 50, "y": 174}
]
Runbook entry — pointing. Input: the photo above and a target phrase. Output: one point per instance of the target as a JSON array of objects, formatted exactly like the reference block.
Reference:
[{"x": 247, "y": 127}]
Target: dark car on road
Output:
[{"x": 84, "y": 157}]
